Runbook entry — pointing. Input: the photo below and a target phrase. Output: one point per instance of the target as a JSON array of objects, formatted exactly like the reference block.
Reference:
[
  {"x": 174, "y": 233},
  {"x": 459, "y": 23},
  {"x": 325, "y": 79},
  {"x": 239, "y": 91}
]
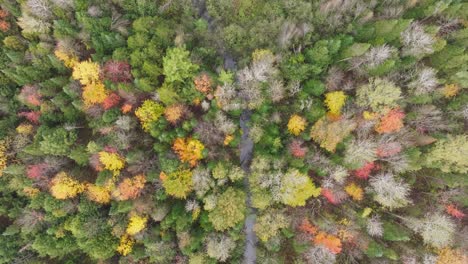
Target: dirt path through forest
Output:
[{"x": 246, "y": 148}]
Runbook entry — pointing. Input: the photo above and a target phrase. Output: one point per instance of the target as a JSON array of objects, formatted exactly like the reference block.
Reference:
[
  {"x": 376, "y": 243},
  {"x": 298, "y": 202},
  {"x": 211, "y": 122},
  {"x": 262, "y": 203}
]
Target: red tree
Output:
[
  {"x": 296, "y": 149},
  {"x": 111, "y": 100},
  {"x": 36, "y": 171},
  {"x": 117, "y": 71},
  {"x": 32, "y": 116}
]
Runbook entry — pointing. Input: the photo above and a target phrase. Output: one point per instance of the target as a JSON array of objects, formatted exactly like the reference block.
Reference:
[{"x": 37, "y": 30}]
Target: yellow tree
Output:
[
  {"x": 86, "y": 72},
  {"x": 149, "y": 112},
  {"x": 111, "y": 161},
  {"x": 335, "y": 101},
  {"x": 296, "y": 124},
  {"x": 94, "y": 93},
  {"x": 64, "y": 187},
  {"x": 189, "y": 150}
]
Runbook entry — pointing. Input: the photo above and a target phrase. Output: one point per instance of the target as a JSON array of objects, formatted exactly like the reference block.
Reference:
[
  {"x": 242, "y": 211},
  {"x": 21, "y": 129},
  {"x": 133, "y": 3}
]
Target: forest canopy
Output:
[{"x": 221, "y": 131}]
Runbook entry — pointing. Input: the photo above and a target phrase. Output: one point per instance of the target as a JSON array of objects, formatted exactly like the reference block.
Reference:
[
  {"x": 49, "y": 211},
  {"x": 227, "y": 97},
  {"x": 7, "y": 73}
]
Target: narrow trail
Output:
[
  {"x": 246, "y": 150},
  {"x": 246, "y": 147}
]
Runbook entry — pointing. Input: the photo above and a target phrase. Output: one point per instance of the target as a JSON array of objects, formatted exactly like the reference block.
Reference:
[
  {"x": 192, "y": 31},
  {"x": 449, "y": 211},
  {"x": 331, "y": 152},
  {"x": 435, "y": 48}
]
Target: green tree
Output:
[
  {"x": 449, "y": 155},
  {"x": 229, "y": 211},
  {"x": 177, "y": 65},
  {"x": 57, "y": 141}
]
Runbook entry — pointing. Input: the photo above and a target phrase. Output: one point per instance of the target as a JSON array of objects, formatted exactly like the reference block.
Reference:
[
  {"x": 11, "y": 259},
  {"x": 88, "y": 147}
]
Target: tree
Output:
[
  {"x": 359, "y": 153},
  {"x": 94, "y": 93},
  {"x": 175, "y": 113},
  {"x": 329, "y": 133},
  {"x": 111, "y": 161},
  {"x": 269, "y": 224},
  {"x": 130, "y": 188},
  {"x": 189, "y": 150},
  {"x": 296, "y": 149},
  {"x": 57, "y": 141},
  {"x": 177, "y": 66},
  {"x": 391, "y": 122},
  {"x": 98, "y": 194},
  {"x": 453, "y": 256},
  {"x": 111, "y": 100},
  {"x": 379, "y": 95},
  {"x": 3, "y": 155},
  {"x": 87, "y": 72},
  {"x": 296, "y": 124},
  {"x": 30, "y": 95},
  {"x": 219, "y": 246},
  {"x": 354, "y": 191},
  {"x": 416, "y": 42},
  {"x": 136, "y": 224},
  {"x": 149, "y": 112},
  {"x": 229, "y": 210},
  {"x": 436, "y": 229},
  {"x": 296, "y": 188},
  {"x": 390, "y": 192},
  {"x": 117, "y": 71},
  {"x": 177, "y": 183},
  {"x": 203, "y": 83},
  {"x": 126, "y": 245},
  {"x": 64, "y": 187},
  {"x": 449, "y": 154},
  {"x": 335, "y": 101},
  {"x": 331, "y": 242}
]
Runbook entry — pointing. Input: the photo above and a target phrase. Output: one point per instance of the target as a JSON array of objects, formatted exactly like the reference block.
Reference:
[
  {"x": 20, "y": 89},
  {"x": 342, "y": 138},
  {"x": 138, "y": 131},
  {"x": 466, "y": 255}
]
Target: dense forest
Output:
[{"x": 234, "y": 131}]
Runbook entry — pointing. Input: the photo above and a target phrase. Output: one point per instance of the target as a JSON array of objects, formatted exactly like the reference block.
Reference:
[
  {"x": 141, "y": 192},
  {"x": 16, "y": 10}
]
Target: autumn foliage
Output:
[
  {"x": 328, "y": 133},
  {"x": 99, "y": 194},
  {"x": 87, "y": 72},
  {"x": 94, "y": 93},
  {"x": 335, "y": 101},
  {"x": 454, "y": 211},
  {"x": 203, "y": 83},
  {"x": 330, "y": 196},
  {"x": 149, "y": 112},
  {"x": 136, "y": 224},
  {"x": 331, "y": 242},
  {"x": 36, "y": 171},
  {"x": 296, "y": 124},
  {"x": 174, "y": 113},
  {"x": 63, "y": 186},
  {"x": 130, "y": 188},
  {"x": 4, "y": 24},
  {"x": 111, "y": 100},
  {"x": 355, "y": 191},
  {"x": 126, "y": 245},
  {"x": 117, "y": 71},
  {"x": 307, "y": 227},
  {"x": 296, "y": 149},
  {"x": 30, "y": 95},
  {"x": 189, "y": 150},
  {"x": 3, "y": 155},
  {"x": 365, "y": 171},
  {"x": 178, "y": 183},
  {"x": 391, "y": 122},
  {"x": 31, "y": 116},
  {"x": 111, "y": 161}
]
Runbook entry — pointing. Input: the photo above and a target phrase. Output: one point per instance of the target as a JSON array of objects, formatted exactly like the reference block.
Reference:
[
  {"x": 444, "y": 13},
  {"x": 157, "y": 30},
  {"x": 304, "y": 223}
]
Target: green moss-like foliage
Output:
[
  {"x": 379, "y": 95},
  {"x": 57, "y": 141},
  {"x": 449, "y": 155},
  {"x": 177, "y": 65},
  {"x": 296, "y": 188},
  {"x": 229, "y": 211}
]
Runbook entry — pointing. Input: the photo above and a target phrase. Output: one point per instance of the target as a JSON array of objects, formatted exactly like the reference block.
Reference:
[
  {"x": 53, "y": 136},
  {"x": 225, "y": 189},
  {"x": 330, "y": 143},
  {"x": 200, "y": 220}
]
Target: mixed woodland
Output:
[{"x": 124, "y": 126}]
